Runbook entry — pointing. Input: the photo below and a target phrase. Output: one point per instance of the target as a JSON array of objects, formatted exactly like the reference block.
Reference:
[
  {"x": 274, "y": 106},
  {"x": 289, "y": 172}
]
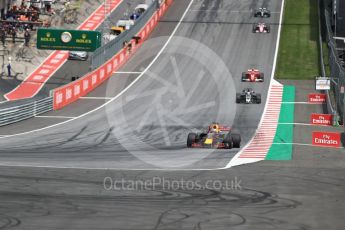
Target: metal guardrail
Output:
[
  {"x": 330, "y": 108},
  {"x": 106, "y": 52},
  {"x": 323, "y": 72},
  {"x": 21, "y": 112},
  {"x": 335, "y": 64}
]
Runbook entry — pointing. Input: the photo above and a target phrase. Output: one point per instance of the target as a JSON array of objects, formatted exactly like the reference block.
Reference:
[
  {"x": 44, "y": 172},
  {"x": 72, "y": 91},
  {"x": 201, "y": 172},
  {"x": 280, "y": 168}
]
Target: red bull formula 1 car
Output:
[
  {"x": 216, "y": 136},
  {"x": 252, "y": 75},
  {"x": 261, "y": 27}
]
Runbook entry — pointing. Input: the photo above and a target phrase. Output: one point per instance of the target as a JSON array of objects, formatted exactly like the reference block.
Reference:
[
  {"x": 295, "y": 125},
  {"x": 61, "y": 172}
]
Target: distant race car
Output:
[
  {"x": 138, "y": 11},
  {"x": 262, "y": 12},
  {"x": 134, "y": 16},
  {"x": 78, "y": 55},
  {"x": 261, "y": 27},
  {"x": 252, "y": 75},
  {"x": 248, "y": 96},
  {"x": 215, "y": 136}
]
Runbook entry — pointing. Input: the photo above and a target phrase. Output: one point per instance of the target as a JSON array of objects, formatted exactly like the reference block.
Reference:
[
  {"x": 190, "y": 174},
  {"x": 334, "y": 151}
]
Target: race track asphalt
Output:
[{"x": 192, "y": 83}]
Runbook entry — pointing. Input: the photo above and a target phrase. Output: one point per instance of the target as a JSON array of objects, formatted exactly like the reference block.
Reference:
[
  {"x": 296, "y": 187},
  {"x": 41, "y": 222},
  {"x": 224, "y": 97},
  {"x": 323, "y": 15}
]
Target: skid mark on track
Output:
[{"x": 245, "y": 208}]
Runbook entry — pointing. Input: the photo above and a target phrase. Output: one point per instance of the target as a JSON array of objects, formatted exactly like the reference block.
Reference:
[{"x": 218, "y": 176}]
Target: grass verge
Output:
[{"x": 298, "y": 56}]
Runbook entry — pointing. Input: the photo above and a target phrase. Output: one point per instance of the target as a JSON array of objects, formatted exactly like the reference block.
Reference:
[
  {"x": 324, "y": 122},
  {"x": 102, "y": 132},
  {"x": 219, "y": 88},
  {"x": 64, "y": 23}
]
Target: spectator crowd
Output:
[{"x": 22, "y": 19}]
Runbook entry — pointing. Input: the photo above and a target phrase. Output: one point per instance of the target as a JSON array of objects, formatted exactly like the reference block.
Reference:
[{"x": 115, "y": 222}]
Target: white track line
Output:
[
  {"x": 6, "y": 164},
  {"x": 97, "y": 98},
  {"x": 310, "y": 145},
  {"x": 122, "y": 92},
  {"x": 58, "y": 117},
  {"x": 227, "y": 11},
  {"x": 232, "y": 161},
  {"x": 125, "y": 72},
  {"x": 304, "y": 124},
  {"x": 303, "y": 102}
]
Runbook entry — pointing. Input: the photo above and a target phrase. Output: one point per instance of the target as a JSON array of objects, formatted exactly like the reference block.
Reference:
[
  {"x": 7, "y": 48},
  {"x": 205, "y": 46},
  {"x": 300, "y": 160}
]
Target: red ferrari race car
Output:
[
  {"x": 252, "y": 75},
  {"x": 215, "y": 136},
  {"x": 261, "y": 27}
]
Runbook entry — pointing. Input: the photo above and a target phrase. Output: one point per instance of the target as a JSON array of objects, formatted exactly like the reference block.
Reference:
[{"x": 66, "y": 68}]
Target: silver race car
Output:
[
  {"x": 78, "y": 55},
  {"x": 262, "y": 12}
]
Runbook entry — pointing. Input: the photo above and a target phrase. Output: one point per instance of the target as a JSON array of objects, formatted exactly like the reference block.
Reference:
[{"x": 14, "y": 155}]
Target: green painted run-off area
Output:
[{"x": 281, "y": 148}]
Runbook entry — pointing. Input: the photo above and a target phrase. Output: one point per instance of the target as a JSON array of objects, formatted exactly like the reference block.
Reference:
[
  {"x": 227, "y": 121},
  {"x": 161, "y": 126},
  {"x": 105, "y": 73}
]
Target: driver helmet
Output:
[{"x": 214, "y": 128}]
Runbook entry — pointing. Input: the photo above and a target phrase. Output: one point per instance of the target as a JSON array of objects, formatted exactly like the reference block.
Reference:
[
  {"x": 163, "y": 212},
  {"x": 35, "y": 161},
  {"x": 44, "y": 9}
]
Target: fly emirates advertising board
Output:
[{"x": 326, "y": 139}]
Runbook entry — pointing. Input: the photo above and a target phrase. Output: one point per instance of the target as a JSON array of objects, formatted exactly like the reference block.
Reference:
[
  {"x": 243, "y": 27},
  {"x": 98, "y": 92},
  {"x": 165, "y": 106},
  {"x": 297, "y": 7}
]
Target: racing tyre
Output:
[
  {"x": 262, "y": 76},
  {"x": 191, "y": 139},
  {"x": 258, "y": 99},
  {"x": 228, "y": 142},
  {"x": 238, "y": 98},
  {"x": 243, "y": 76},
  {"x": 236, "y": 139},
  {"x": 200, "y": 137}
]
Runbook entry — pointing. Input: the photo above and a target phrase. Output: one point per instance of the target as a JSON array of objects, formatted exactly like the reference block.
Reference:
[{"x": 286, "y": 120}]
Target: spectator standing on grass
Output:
[
  {"x": 9, "y": 67},
  {"x": 22, "y": 5},
  {"x": 27, "y": 37},
  {"x": 34, "y": 17},
  {"x": 47, "y": 7},
  {"x": 14, "y": 34},
  {"x": 2, "y": 36}
]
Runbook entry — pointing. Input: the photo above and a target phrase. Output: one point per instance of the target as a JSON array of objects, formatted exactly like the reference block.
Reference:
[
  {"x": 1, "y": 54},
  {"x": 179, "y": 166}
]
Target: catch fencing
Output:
[
  {"x": 330, "y": 108},
  {"x": 337, "y": 70},
  {"x": 106, "y": 52}
]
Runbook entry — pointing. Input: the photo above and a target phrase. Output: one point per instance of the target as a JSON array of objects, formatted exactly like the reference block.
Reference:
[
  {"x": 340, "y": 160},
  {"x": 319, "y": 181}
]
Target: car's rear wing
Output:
[{"x": 224, "y": 128}]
